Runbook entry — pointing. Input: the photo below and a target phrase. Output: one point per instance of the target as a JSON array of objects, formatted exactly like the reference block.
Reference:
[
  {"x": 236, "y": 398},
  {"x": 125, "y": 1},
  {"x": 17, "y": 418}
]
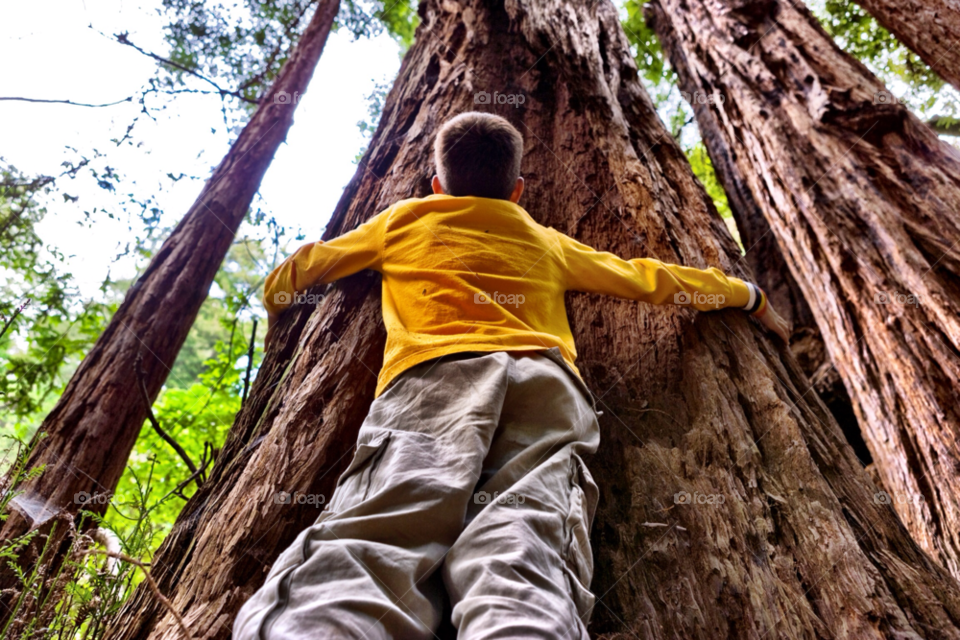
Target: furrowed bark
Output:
[
  {"x": 930, "y": 28},
  {"x": 863, "y": 199},
  {"x": 90, "y": 432},
  {"x": 693, "y": 402},
  {"x": 762, "y": 254}
]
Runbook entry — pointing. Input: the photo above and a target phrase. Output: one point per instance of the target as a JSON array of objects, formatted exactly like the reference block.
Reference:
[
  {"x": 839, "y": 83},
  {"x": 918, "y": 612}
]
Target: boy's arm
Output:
[
  {"x": 321, "y": 263},
  {"x": 650, "y": 280}
]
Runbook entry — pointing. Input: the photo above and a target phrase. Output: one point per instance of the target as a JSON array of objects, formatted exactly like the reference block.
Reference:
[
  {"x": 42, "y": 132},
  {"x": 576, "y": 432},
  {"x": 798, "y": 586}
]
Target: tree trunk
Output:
[
  {"x": 863, "y": 200},
  {"x": 93, "y": 427},
  {"x": 930, "y": 28},
  {"x": 763, "y": 256},
  {"x": 693, "y": 402}
]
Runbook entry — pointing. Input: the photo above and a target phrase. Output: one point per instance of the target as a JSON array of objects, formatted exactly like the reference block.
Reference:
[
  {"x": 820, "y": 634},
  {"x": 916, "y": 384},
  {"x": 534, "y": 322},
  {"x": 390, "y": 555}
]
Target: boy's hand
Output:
[
  {"x": 272, "y": 319},
  {"x": 772, "y": 321}
]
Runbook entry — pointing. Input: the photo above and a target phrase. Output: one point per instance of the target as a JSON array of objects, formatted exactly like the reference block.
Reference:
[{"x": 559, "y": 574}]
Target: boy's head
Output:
[{"x": 478, "y": 154}]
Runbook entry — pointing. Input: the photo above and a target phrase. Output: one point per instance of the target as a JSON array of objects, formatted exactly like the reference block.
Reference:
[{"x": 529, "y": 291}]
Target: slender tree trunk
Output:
[
  {"x": 693, "y": 402},
  {"x": 92, "y": 428},
  {"x": 931, "y": 28},
  {"x": 863, "y": 200}
]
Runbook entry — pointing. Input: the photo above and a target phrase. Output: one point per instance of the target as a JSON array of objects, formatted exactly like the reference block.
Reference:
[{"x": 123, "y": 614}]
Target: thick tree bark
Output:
[
  {"x": 694, "y": 402},
  {"x": 931, "y": 28},
  {"x": 92, "y": 428},
  {"x": 762, "y": 254},
  {"x": 863, "y": 200}
]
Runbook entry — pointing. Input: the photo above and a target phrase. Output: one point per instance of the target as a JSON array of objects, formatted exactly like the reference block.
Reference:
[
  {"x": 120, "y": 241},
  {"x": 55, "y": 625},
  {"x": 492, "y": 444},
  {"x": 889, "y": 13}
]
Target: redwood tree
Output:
[
  {"x": 931, "y": 28},
  {"x": 90, "y": 432},
  {"x": 764, "y": 258},
  {"x": 864, "y": 201},
  {"x": 701, "y": 403}
]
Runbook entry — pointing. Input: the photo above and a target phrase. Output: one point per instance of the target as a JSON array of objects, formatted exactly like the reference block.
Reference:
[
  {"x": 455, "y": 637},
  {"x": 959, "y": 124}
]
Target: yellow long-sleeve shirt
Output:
[{"x": 476, "y": 274}]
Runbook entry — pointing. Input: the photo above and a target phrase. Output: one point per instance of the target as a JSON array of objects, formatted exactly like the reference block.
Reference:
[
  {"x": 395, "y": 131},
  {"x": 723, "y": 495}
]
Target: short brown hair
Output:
[{"x": 478, "y": 154}]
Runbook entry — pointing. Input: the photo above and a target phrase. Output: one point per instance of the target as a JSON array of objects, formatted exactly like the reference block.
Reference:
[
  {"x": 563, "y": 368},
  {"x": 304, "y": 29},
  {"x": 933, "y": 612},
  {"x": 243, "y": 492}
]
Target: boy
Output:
[{"x": 468, "y": 473}]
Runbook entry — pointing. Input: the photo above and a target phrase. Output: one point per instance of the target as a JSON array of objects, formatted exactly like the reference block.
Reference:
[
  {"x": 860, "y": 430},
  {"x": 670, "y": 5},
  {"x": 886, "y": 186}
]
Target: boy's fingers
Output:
[
  {"x": 783, "y": 329},
  {"x": 772, "y": 321}
]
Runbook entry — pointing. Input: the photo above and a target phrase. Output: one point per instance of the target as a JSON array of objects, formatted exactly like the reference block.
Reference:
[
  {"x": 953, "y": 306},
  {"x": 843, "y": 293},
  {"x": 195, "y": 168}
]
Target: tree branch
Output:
[
  {"x": 246, "y": 379},
  {"x": 199, "y": 475},
  {"x": 156, "y": 424},
  {"x": 23, "y": 306},
  {"x": 945, "y": 125},
  {"x": 70, "y": 102},
  {"x": 123, "y": 39}
]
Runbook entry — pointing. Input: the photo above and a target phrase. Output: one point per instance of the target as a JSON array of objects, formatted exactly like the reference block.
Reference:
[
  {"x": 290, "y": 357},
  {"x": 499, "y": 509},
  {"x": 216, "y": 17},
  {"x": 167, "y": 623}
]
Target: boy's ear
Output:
[
  {"x": 435, "y": 183},
  {"x": 517, "y": 191}
]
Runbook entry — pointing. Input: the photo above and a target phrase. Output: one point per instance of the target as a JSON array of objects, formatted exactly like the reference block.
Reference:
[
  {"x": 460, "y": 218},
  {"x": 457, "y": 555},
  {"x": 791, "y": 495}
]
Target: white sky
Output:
[{"x": 50, "y": 52}]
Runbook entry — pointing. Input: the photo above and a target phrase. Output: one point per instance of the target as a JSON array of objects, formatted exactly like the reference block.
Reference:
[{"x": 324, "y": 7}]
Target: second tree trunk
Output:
[
  {"x": 864, "y": 201},
  {"x": 931, "y": 28},
  {"x": 82, "y": 446}
]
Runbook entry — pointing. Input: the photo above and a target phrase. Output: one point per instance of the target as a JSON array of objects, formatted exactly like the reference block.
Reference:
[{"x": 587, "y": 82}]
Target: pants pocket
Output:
[
  {"x": 354, "y": 483},
  {"x": 578, "y": 556},
  {"x": 351, "y": 488}
]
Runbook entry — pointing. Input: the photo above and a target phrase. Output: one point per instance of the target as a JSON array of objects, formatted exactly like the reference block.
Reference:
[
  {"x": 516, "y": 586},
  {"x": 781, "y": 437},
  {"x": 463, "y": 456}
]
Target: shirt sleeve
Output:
[
  {"x": 649, "y": 280},
  {"x": 324, "y": 262}
]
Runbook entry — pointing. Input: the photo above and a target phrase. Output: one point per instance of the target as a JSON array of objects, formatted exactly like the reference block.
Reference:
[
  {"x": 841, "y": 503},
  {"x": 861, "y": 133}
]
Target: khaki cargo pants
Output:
[{"x": 467, "y": 476}]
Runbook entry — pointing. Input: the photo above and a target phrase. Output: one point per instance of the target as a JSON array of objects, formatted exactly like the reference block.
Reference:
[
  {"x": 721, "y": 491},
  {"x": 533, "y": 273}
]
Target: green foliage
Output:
[
  {"x": 368, "y": 18},
  {"x": 654, "y": 68},
  {"x": 244, "y": 43},
  {"x": 85, "y": 591},
  {"x": 703, "y": 168},
  {"x": 45, "y": 342},
  {"x": 241, "y": 46},
  {"x": 198, "y": 417},
  {"x": 375, "y": 102},
  {"x": 904, "y": 73}
]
